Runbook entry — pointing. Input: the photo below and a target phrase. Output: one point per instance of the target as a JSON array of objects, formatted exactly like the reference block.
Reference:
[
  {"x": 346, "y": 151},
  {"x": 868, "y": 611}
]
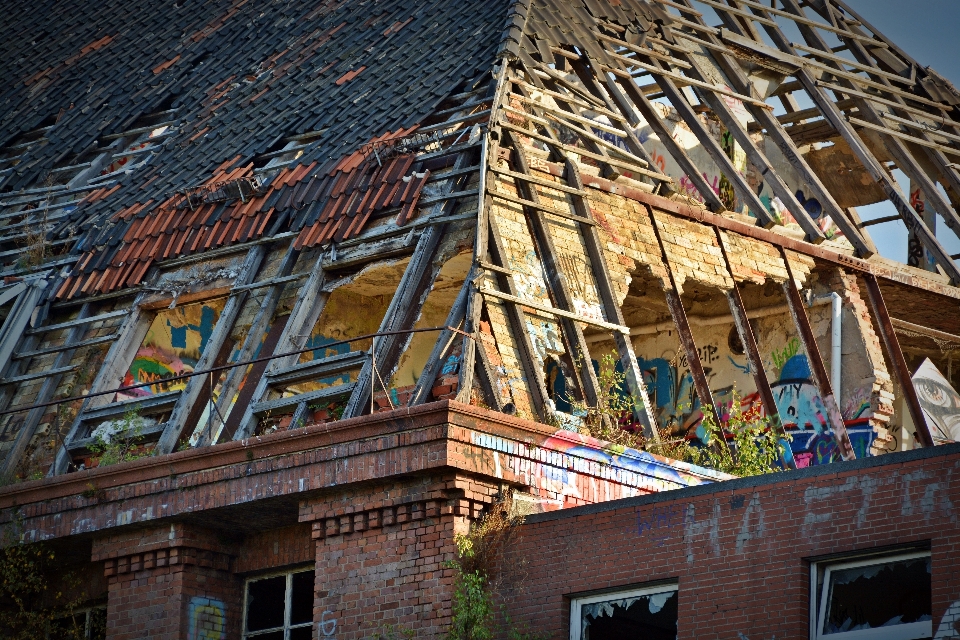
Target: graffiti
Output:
[
  {"x": 173, "y": 346},
  {"x": 569, "y": 468},
  {"x": 949, "y": 626},
  {"x": 327, "y": 626},
  {"x": 708, "y": 354},
  {"x": 804, "y": 417},
  {"x": 939, "y": 401},
  {"x": 207, "y": 619},
  {"x": 660, "y": 523},
  {"x": 781, "y": 356},
  {"x": 810, "y": 205},
  {"x": 742, "y": 367}
]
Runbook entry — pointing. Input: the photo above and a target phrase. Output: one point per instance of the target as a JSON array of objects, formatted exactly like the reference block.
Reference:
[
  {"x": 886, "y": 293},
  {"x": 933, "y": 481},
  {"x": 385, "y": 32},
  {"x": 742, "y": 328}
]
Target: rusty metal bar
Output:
[
  {"x": 686, "y": 340},
  {"x": 749, "y": 341},
  {"x": 900, "y": 369},
  {"x": 817, "y": 371}
]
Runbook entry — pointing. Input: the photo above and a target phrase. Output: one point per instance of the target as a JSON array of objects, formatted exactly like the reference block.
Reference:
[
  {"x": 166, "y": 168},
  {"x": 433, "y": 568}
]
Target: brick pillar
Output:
[
  {"x": 169, "y": 583},
  {"x": 381, "y": 555}
]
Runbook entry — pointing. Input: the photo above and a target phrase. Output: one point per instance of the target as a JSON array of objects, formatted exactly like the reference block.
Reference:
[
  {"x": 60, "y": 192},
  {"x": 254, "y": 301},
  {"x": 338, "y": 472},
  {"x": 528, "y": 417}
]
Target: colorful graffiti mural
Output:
[
  {"x": 173, "y": 345},
  {"x": 805, "y": 418},
  {"x": 568, "y": 468},
  {"x": 207, "y": 619},
  {"x": 939, "y": 401}
]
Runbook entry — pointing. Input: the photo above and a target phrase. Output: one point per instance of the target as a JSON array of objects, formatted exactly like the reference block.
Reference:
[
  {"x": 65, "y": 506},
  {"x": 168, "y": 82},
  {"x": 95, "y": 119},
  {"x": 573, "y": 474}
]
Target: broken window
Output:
[
  {"x": 638, "y": 614},
  {"x": 279, "y": 607},
  {"x": 880, "y": 597}
]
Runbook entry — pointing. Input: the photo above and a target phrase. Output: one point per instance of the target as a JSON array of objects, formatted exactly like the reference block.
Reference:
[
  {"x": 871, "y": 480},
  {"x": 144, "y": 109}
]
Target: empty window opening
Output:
[
  {"x": 89, "y": 624},
  {"x": 886, "y": 597},
  {"x": 172, "y": 347},
  {"x": 279, "y": 607},
  {"x": 648, "y": 614}
]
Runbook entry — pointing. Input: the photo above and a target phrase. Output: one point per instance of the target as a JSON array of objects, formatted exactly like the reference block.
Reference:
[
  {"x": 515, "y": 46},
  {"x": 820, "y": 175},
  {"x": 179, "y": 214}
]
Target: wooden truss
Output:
[{"x": 605, "y": 72}]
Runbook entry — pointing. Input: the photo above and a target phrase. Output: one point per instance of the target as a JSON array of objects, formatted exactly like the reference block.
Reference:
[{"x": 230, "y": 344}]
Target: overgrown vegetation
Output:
[
  {"x": 758, "y": 443},
  {"x": 29, "y": 605},
  {"x": 476, "y": 581},
  {"x": 125, "y": 442}
]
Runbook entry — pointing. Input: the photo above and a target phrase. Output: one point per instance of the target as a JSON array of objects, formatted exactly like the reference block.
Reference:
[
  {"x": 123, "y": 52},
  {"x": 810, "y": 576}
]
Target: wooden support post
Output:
[
  {"x": 251, "y": 343},
  {"x": 293, "y": 336},
  {"x": 813, "y": 233},
  {"x": 49, "y": 387},
  {"x": 556, "y": 282},
  {"x": 817, "y": 371},
  {"x": 900, "y": 370},
  {"x": 606, "y": 169},
  {"x": 749, "y": 341},
  {"x": 400, "y": 314},
  {"x": 897, "y": 148},
  {"x": 405, "y": 306},
  {"x": 712, "y": 147},
  {"x": 480, "y": 362},
  {"x": 176, "y": 424},
  {"x": 650, "y": 114},
  {"x": 518, "y": 324},
  {"x": 642, "y": 411},
  {"x": 110, "y": 375},
  {"x": 688, "y": 343},
  {"x": 434, "y": 364}
]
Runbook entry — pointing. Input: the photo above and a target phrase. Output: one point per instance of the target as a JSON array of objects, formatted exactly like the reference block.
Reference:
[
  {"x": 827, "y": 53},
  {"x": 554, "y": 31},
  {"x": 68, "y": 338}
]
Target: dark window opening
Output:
[
  {"x": 643, "y": 616},
  {"x": 280, "y": 607}
]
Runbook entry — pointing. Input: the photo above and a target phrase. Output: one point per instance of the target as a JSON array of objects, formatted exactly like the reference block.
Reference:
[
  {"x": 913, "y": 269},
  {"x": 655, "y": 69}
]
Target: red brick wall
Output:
[
  {"x": 740, "y": 550},
  {"x": 169, "y": 582},
  {"x": 381, "y": 552}
]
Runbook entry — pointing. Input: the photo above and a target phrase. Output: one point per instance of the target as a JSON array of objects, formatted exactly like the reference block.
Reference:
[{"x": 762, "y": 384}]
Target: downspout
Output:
[{"x": 836, "y": 336}]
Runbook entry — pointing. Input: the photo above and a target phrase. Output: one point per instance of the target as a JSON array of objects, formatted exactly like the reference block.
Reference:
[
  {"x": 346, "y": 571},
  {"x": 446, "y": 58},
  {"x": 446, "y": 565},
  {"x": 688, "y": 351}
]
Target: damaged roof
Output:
[{"x": 210, "y": 92}]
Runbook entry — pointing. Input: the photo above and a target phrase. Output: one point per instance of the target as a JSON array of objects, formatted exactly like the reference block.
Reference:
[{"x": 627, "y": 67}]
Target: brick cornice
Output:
[
  {"x": 173, "y": 557},
  {"x": 92, "y": 481}
]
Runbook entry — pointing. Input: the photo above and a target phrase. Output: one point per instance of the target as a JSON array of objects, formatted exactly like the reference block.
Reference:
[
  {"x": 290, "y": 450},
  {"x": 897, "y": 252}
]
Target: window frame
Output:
[
  {"x": 87, "y": 613},
  {"x": 820, "y": 578},
  {"x": 287, "y": 602},
  {"x": 577, "y": 602}
]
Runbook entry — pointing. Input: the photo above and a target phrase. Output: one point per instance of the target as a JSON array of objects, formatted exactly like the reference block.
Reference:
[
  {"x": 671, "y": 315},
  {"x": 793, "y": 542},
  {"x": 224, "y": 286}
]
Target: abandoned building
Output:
[{"x": 295, "y": 292}]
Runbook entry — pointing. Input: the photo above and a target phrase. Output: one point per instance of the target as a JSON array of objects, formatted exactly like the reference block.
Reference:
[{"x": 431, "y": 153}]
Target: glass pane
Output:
[
  {"x": 879, "y": 595},
  {"x": 301, "y": 603},
  {"x": 301, "y": 633},
  {"x": 648, "y": 617},
  {"x": 265, "y": 603},
  {"x": 172, "y": 346},
  {"x": 98, "y": 624}
]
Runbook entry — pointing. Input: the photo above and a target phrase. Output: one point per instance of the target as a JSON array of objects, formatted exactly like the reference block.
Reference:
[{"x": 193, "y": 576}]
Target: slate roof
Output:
[{"x": 241, "y": 76}]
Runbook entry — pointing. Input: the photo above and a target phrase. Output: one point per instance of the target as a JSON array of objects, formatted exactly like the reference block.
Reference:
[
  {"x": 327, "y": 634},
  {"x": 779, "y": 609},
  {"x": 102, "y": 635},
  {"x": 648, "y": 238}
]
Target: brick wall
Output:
[
  {"x": 169, "y": 582},
  {"x": 740, "y": 550}
]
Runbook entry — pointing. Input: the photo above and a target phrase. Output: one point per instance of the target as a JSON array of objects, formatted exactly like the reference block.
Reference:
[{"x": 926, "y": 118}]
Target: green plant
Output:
[
  {"x": 29, "y": 603},
  {"x": 758, "y": 443},
  {"x": 613, "y": 410},
  {"x": 123, "y": 444},
  {"x": 474, "y": 566}
]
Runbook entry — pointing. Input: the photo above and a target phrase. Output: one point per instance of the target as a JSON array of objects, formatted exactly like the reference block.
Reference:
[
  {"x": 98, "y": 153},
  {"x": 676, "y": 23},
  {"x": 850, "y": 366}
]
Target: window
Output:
[
  {"x": 881, "y": 597},
  {"x": 638, "y": 614},
  {"x": 279, "y": 607},
  {"x": 89, "y": 624}
]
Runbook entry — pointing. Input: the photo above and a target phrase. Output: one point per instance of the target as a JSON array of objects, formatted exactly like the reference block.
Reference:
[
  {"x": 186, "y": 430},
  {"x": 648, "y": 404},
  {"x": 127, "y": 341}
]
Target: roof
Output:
[{"x": 234, "y": 83}]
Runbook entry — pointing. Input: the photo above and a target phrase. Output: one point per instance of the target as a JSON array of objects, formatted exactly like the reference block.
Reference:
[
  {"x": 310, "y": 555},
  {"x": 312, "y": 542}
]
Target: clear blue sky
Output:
[{"x": 928, "y": 31}]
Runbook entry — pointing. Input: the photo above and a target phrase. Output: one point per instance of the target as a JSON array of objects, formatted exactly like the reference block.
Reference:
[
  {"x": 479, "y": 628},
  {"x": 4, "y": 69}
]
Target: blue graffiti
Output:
[
  {"x": 178, "y": 335},
  {"x": 811, "y": 205}
]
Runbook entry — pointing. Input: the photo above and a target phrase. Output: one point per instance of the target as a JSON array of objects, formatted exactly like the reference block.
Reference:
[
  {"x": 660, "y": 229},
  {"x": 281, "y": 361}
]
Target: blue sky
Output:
[{"x": 927, "y": 31}]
